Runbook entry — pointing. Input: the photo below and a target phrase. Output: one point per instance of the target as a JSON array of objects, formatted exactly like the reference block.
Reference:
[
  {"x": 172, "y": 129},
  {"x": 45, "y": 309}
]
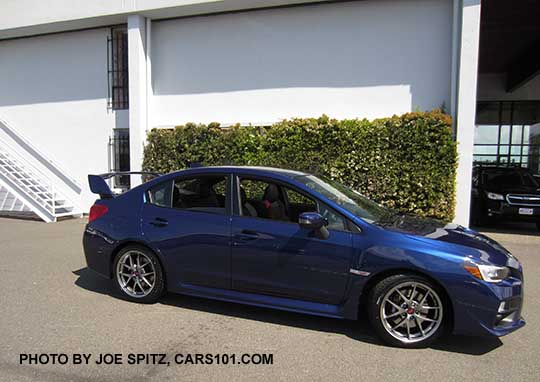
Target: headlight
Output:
[
  {"x": 494, "y": 196},
  {"x": 489, "y": 273}
]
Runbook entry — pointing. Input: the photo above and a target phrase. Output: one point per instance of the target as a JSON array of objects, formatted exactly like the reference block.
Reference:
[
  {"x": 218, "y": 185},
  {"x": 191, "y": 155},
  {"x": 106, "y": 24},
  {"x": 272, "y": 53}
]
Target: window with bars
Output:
[
  {"x": 117, "y": 71},
  {"x": 119, "y": 157}
]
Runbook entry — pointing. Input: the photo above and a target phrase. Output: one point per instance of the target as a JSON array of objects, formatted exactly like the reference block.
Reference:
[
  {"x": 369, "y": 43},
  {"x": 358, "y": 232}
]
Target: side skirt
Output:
[{"x": 265, "y": 301}]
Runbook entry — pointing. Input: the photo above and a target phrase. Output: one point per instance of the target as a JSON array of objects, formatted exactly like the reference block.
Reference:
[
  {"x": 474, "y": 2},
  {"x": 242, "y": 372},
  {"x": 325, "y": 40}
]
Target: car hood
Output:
[
  {"x": 530, "y": 190},
  {"x": 486, "y": 249}
]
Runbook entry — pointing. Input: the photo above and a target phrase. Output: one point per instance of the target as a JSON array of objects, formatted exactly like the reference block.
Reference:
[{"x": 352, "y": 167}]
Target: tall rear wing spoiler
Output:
[{"x": 98, "y": 183}]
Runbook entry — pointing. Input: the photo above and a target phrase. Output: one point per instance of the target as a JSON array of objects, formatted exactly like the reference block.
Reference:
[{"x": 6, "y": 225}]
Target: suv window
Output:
[{"x": 202, "y": 193}]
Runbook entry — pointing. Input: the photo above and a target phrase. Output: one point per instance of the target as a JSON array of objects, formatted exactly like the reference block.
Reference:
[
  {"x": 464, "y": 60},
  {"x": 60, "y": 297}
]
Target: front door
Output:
[
  {"x": 272, "y": 254},
  {"x": 187, "y": 220}
]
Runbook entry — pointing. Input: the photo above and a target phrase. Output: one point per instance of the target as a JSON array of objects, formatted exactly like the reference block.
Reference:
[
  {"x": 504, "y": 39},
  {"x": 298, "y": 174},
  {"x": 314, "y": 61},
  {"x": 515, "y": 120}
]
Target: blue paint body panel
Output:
[{"x": 286, "y": 267}]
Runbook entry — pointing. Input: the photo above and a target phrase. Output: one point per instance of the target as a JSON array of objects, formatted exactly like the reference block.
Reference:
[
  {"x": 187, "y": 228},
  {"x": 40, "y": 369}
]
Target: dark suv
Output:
[{"x": 504, "y": 193}]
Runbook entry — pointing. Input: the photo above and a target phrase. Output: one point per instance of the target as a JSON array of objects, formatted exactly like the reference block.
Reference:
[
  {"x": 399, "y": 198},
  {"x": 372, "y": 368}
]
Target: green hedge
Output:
[{"x": 405, "y": 162}]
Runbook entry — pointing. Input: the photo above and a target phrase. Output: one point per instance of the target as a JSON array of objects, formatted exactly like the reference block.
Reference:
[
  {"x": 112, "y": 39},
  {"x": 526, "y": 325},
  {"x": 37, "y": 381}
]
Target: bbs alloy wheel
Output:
[
  {"x": 138, "y": 274},
  {"x": 407, "y": 311}
]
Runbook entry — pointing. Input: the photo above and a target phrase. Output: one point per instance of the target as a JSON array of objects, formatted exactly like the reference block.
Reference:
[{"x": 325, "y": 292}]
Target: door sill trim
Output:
[{"x": 264, "y": 301}]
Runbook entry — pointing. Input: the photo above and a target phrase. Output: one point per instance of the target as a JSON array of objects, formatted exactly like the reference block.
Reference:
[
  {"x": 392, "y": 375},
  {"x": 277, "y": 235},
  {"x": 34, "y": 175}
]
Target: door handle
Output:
[
  {"x": 159, "y": 222},
  {"x": 246, "y": 235}
]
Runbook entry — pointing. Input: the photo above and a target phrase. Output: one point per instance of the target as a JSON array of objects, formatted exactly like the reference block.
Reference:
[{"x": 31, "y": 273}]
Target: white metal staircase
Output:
[{"x": 25, "y": 188}]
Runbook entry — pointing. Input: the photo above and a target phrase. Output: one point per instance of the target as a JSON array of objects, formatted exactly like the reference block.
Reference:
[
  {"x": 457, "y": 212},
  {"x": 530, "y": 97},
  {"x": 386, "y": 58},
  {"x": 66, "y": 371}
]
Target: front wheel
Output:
[
  {"x": 138, "y": 275},
  {"x": 407, "y": 311}
]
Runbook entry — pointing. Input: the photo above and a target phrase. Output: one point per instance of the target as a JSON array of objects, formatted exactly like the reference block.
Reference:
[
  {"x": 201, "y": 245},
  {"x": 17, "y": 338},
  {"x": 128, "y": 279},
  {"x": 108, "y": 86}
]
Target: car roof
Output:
[
  {"x": 276, "y": 173},
  {"x": 255, "y": 170}
]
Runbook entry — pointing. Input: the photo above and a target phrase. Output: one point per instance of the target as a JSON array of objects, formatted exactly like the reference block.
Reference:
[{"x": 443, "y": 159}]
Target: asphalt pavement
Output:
[{"x": 52, "y": 304}]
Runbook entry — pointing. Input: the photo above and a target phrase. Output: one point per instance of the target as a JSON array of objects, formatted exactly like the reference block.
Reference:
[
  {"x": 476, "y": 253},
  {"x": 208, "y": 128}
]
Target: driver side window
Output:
[
  {"x": 298, "y": 203},
  {"x": 268, "y": 200},
  {"x": 262, "y": 199},
  {"x": 335, "y": 220}
]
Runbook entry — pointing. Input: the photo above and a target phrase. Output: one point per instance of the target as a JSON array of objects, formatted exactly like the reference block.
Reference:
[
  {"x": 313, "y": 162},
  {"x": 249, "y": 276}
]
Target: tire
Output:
[
  {"x": 402, "y": 319},
  {"x": 138, "y": 275},
  {"x": 538, "y": 226}
]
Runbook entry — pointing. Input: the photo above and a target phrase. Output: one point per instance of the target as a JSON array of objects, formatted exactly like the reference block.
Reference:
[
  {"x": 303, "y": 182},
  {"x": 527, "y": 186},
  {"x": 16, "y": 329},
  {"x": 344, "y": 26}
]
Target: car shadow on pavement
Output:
[{"x": 358, "y": 330}]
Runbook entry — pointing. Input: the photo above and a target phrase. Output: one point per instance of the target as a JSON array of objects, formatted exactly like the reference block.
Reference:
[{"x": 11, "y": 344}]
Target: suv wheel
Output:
[{"x": 407, "y": 311}]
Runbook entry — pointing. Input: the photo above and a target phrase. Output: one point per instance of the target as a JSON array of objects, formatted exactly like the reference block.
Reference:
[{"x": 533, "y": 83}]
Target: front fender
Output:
[{"x": 381, "y": 261}]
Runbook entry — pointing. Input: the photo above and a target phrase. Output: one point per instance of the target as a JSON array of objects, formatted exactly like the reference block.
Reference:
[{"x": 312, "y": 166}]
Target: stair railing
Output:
[
  {"x": 32, "y": 171},
  {"x": 46, "y": 160}
]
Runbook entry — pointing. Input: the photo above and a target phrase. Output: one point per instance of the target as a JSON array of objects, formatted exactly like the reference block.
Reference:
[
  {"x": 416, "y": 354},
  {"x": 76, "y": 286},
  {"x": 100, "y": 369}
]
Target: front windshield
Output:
[
  {"x": 509, "y": 177},
  {"x": 349, "y": 199}
]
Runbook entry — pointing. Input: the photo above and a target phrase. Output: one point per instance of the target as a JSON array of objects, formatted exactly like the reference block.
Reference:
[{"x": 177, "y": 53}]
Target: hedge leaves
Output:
[{"x": 405, "y": 162}]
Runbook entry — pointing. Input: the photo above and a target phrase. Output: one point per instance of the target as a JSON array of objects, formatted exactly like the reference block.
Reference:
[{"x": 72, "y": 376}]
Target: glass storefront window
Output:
[
  {"x": 487, "y": 134},
  {"x": 508, "y": 133},
  {"x": 505, "y": 134},
  {"x": 517, "y": 134}
]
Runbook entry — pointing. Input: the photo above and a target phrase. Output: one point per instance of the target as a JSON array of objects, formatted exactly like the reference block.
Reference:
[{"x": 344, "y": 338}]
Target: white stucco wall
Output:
[
  {"x": 357, "y": 59},
  {"x": 53, "y": 91}
]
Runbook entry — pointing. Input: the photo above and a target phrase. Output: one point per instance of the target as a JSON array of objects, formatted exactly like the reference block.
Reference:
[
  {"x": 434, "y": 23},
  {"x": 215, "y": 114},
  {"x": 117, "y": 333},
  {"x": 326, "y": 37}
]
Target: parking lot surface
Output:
[{"x": 51, "y": 303}]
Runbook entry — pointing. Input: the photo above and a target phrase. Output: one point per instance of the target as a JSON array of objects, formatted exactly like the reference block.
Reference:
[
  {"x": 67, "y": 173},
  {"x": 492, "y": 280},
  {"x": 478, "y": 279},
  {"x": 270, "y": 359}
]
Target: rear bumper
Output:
[
  {"x": 98, "y": 250},
  {"x": 490, "y": 309}
]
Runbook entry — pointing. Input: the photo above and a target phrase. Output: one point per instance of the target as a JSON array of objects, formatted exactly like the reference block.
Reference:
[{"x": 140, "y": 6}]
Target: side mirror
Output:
[
  {"x": 311, "y": 220},
  {"x": 314, "y": 222}
]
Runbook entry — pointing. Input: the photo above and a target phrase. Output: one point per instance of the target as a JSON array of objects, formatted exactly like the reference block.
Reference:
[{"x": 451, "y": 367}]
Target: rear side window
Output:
[
  {"x": 160, "y": 195},
  {"x": 204, "y": 194}
]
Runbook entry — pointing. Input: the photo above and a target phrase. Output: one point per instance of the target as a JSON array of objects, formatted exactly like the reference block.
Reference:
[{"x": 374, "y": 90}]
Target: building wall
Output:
[
  {"x": 31, "y": 17},
  {"x": 53, "y": 91},
  {"x": 356, "y": 59}
]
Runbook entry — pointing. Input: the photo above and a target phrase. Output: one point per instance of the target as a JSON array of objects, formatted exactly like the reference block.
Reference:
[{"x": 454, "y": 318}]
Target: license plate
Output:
[{"x": 525, "y": 211}]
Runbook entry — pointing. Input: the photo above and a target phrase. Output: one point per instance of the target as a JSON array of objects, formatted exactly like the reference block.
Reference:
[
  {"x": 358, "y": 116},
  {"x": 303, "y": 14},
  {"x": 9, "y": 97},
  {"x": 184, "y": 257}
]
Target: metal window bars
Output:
[
  {"x": 117, "y": 69},
  {"x": 119, "y": 157}
]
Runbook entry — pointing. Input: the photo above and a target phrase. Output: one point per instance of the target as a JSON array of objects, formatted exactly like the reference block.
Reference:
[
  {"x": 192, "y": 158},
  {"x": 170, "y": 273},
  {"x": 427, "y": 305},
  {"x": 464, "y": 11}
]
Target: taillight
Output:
[{"x": 97, "y": 211}]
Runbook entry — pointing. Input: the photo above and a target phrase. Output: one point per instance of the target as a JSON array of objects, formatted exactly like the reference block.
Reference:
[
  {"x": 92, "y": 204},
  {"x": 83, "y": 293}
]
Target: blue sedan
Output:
[{"x": 293, "y": 241}]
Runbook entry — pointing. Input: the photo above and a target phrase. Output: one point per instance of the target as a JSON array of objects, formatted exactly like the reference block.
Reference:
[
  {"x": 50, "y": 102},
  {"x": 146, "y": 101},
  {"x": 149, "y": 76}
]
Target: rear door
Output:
[{"x": 188, "y": 220}]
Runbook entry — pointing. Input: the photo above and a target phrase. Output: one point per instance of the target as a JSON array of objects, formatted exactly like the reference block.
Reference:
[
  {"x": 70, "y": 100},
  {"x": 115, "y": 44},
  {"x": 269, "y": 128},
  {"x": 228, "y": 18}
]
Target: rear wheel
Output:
[
  {"x": 138, "y": 275},
  {"x": 407, "y": 311}
]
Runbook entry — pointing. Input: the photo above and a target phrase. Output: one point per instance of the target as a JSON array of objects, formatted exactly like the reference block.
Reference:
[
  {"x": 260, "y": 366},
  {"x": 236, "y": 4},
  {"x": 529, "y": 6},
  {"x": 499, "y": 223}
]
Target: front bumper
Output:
[
  {"x": 490, "y": 309},
  {"x": 503, "y": 211}
]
